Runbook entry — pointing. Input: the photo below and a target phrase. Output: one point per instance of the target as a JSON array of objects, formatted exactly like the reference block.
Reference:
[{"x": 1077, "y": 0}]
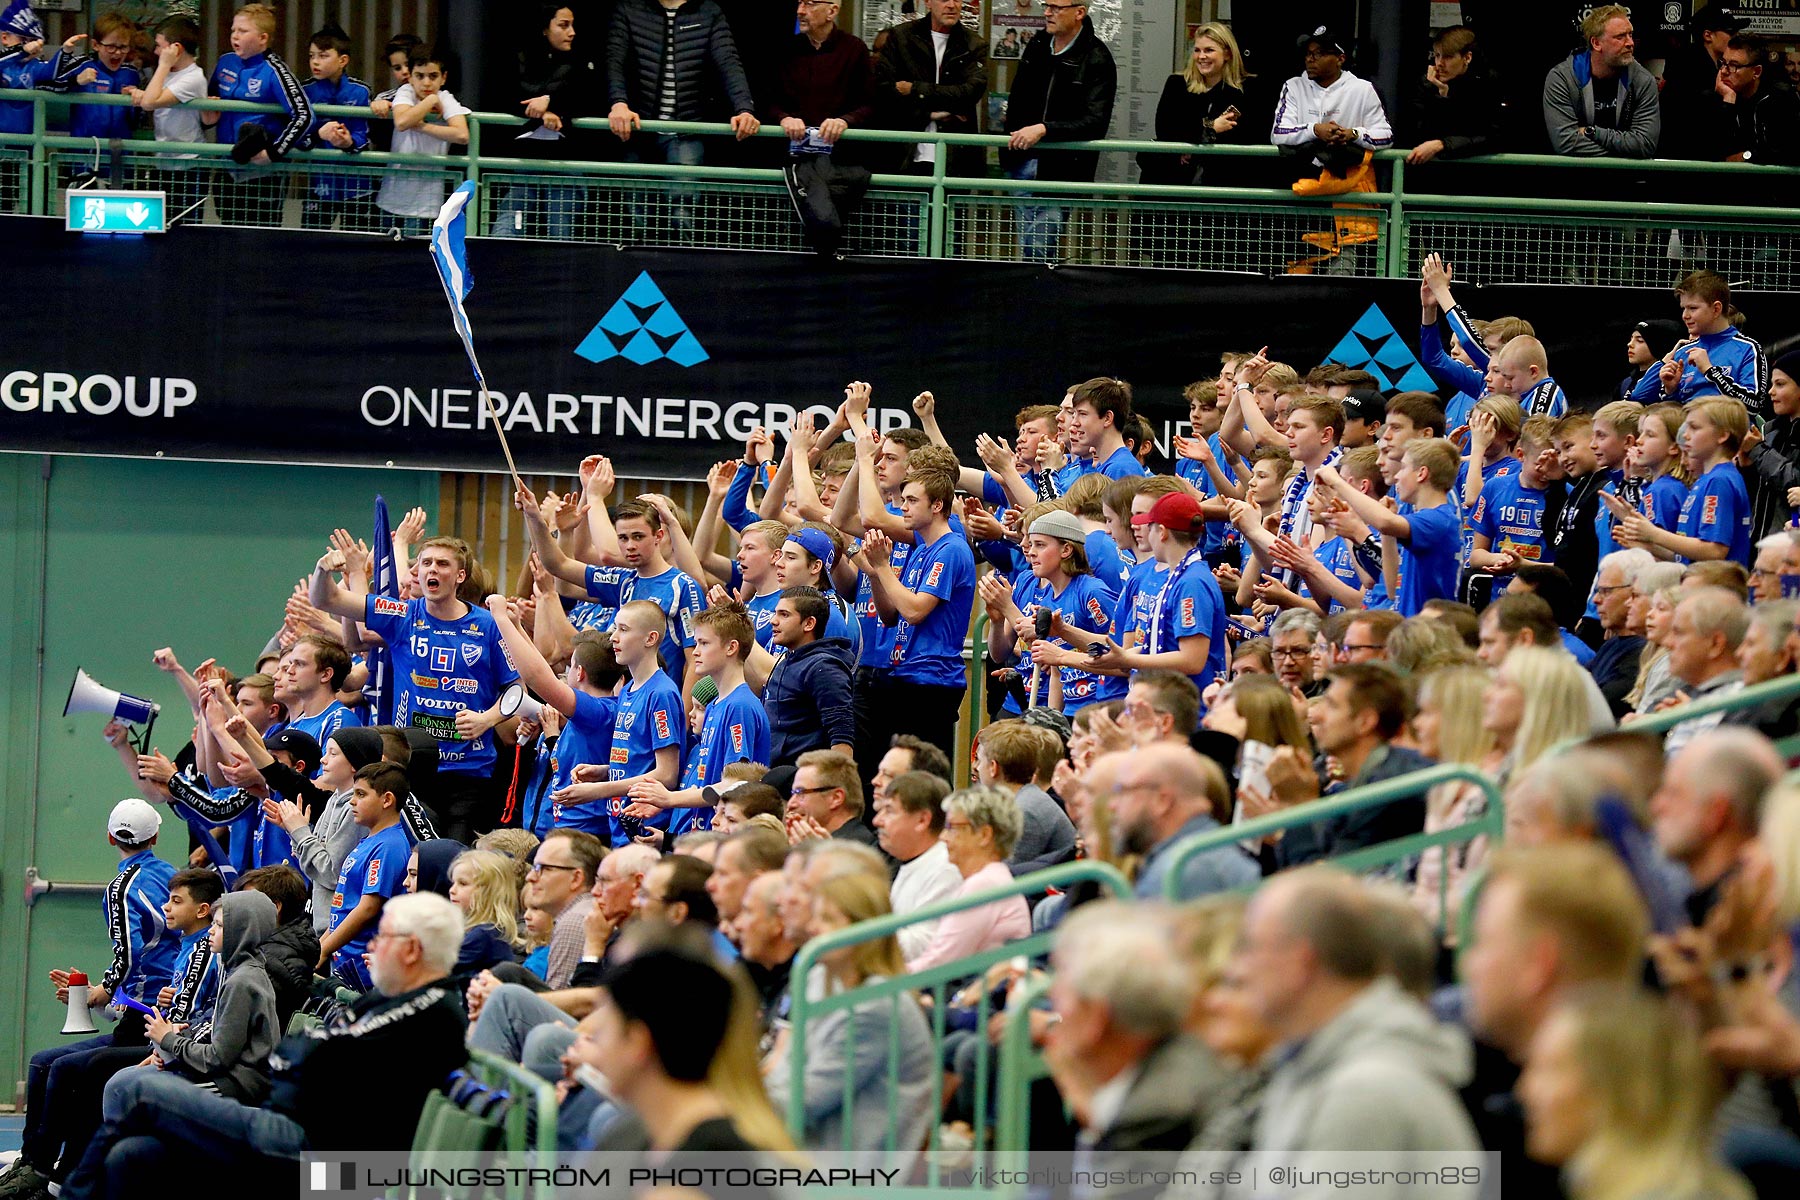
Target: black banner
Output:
[{"x": 284, "y": 346}]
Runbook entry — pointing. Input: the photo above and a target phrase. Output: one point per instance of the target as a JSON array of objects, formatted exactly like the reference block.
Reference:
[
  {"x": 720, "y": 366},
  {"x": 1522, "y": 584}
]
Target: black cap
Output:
[
  {"x": 1717, "y": 18},
  {"x": 297, "y": 742},
  {"x": 1328, "y": 40},
  {"x": 781, "y": 779},
  {"x": 1365, "y": 404},
  {"x": 1789, "y": 365}
]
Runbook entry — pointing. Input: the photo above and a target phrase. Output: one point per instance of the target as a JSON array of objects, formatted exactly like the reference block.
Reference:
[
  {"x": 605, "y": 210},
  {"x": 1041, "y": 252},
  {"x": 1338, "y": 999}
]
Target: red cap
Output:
[
  {"x": 78, "y": 979},
  {"x": 1177, "y": 510}
]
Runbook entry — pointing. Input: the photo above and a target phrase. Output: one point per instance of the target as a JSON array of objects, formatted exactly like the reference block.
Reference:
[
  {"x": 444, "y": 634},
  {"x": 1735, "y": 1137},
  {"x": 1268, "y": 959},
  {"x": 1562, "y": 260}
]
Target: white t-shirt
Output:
[
  {"x": 927, "y": 151},
  {"x": 410, "y": 191},
  {"x": 181, "y": 124}
]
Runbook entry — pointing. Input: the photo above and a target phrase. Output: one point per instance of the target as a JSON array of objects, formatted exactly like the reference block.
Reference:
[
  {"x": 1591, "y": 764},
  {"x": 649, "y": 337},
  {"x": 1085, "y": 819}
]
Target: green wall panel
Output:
[{"x": 137, "y": 554}]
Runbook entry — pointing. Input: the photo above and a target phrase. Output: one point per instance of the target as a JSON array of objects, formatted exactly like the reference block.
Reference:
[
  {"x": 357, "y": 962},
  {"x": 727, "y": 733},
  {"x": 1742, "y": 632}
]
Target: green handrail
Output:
[
  {"x": 1020, "y": 1066},
  {"x": 1785, "y": 688},
  {"x": 934, "y": 980},
  {"x": 1492, "y": 822}
]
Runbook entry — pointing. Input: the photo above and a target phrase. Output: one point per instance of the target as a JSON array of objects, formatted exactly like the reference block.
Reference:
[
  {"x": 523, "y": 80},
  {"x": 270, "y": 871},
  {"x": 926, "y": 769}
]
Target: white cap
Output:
[{"x": 133, "y": 822}]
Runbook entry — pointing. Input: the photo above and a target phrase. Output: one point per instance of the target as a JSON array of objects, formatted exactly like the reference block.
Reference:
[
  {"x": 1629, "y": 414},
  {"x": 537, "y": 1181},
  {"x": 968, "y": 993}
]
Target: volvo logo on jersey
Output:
[{"x": 642, "y": 327}]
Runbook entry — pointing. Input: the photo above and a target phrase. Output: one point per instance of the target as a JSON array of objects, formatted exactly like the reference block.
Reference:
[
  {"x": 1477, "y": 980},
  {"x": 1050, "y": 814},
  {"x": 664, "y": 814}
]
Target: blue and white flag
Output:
[
  {"x": 386, "y": 582},
  {"x": 18, "y": 18},
  {"x": 452, "y": 259}
]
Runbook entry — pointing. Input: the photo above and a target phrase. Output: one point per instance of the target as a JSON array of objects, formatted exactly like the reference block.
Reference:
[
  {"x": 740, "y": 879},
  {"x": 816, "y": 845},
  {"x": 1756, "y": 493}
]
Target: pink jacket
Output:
[{"x": 976, "y": 929}]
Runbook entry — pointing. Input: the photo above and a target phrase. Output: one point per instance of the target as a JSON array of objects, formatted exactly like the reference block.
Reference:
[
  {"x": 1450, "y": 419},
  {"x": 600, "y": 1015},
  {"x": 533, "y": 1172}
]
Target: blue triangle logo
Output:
[
  {"x": 642, "y": 327},
  {"x": 1375, "y": 346}
]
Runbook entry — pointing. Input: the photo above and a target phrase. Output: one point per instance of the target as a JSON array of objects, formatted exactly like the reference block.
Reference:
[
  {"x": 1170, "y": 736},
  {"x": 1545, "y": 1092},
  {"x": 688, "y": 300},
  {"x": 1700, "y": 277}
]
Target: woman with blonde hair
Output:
[
  {"x": 1420, "y": 643},
  {"x": 1202, "y": 105},
  {"x": 483, "y": 884},
  {"x": 858, "y": 1041},
  {"x": 1538, "y": 698},
  {"x": 1618, "y": 1093},
  {"x": 1655, "y": 681},
  {"x": 1448, "y": 727},
  {"x": 1261, "y": 715}
]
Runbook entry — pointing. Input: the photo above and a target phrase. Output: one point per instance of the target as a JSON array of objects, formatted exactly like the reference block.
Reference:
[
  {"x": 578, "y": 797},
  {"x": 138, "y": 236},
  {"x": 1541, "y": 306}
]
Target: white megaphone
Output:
[
  {"x": 515, "y": 701},
  {"x": 81, "y": 1018},
  {"x": 85, "y": 695}
]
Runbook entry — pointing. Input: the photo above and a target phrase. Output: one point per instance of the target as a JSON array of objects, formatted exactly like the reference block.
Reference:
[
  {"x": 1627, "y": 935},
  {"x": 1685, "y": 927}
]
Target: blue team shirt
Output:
[
  {"x": 1219, "y": 534},
  {"x": 1131, "y": 611},
  {"x": 1661, "y": 501},
  {"x": 877, "y": 635},
  {"x": 650, "y": 717},
  {"x": 762, "y": 618},
  {"x": 376, "y": 866},
  {"x": 1109, "y": 566},
  {"x": 1190, "y": 604},
  {"x": 1500, "y": 468},
  {"x": 1085, "y": 601},
  {"x": 1511, "y": 517},
  {"x": 1120, "y": 464},
  {"x": 94, "y": 120},
  {"x": 1717, "y": 509},
  {"x": 143, "y": 948},
  {"x": 1338, "y": 556},
  {"x": 327, "y": 721},
  {"x": 931, "y": 652},
  {"x": 673, "y": 591},
  {"x": 262, "y": 79},
  {"x": 196, "y": 978},
  {"x": 20, "y": 71},
  {"x": 736, "y": 729},
  {"x": 1428, "y": 562},
  {"x": 443, "y": 667},
  {"x": 586, "y": 738},
  {"x": 350, "y": 92},
  {"x": 1738, "y": 356}
]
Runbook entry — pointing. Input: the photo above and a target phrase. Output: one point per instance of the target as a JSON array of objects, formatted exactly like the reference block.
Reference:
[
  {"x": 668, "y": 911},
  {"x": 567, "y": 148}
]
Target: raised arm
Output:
[
  {"x": 549, "y": 553},
  {"x": 706, "y": 528},
  {"x": 536, "y": 673}
]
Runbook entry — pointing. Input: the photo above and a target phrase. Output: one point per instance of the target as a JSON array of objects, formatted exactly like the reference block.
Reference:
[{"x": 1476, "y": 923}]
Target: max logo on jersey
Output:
[
  {"x": 737, "y": 739},
  {"x": 662, "y": 723},
  {"x": 374, "y": 877},
  {"x": 1187, "y": 610},
  {"x": 1709, "y": 512},
  {"x": 936, "y": 573},
  {"x": 389, "y": 606}
]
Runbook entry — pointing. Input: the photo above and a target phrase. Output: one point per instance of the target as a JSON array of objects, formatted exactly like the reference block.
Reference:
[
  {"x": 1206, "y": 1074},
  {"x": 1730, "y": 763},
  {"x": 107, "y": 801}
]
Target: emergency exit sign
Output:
[{"x": 116, "y": 212}]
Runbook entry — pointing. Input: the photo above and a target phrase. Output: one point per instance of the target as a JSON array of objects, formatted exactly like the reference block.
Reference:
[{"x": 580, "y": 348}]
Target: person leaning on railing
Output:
[
  {"x": 917, "y": 88},
  {"x": 1598, "y": 102},
  {"x": 1455, "y": 106},
  {"x": 1202, "y": 104}
]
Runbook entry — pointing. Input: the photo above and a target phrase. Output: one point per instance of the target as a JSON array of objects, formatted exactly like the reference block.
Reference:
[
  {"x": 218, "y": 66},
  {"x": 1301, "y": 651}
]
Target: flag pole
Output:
[{"x": 449, "y": 255}]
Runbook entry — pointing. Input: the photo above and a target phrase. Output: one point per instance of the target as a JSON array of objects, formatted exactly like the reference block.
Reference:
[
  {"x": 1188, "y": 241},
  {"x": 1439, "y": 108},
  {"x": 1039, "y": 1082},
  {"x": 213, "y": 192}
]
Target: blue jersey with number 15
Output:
[{"x": 441, "y": 668}]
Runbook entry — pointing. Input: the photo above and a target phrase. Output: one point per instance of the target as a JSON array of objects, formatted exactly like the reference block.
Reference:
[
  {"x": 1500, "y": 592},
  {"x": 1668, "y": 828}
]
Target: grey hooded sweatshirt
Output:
[
  {"x": 1381, "y": 1076},
  {"x": 232, "y": 1051}
]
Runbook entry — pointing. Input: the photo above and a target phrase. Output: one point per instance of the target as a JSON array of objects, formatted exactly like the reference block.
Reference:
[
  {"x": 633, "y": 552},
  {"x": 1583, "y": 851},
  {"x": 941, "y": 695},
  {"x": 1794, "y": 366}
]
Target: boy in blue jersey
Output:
[
  {"x": 188, "y": 913},
  {"x": 1059, "y": 581},
  {"x": 641, "y": 541},
  {"x": 805, "y": 559},
  {"x": 584, "y": 697},
  {"x": 759, "y": 561},
  {"x": 1614, "y": 433},
  {"x": 142, "y": 965},
  {"x": 1201, "y": 461},
  {"x": 1494, "y": 428},
  {"x": 251, "y": 73},
  {"x": 21, "y": 41},
  {"x": 1508, "y": 519},
  {"x": 1716, "y": 358},
  {"x": 1522, "y": 369},
  {"x": 735, "y": 728},
  {"x": 928, "y": 603},
  {"x": 101, "y": 71},
  {"x": 307, "y": 681},
  {"x": 649, "y": 728},
  {"x": 450, "y": 668},
  {"x": 331, "y": 198},
  {"x": 1011, "y": 476},
  {"x": 1329, "y": 576},
  {"x": 1420, "y": 544},
  {"x": 808, "y": 694},
  {"x": 1186, "y": 630},
  {"x": 373, "y": 873},
  {"x": 1715, "y": 516},
  {"x": 1097, "y": 420}
]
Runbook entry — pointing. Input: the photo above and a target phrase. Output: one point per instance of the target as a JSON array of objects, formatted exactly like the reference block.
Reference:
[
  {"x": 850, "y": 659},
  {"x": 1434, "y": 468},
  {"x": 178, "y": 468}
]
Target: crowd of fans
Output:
[
  {"x": 614, "y": 799},
  {"x": 1726, "y": 97}
]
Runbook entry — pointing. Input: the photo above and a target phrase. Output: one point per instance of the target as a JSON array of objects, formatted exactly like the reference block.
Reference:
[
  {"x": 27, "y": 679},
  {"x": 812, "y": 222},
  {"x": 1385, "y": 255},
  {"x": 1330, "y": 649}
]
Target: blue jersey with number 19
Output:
[{"x": 443, "y": 667}]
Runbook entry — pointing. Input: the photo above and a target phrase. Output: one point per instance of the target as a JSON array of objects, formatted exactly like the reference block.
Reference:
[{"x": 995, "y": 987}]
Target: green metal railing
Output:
[
  {"x": 935, "y": 983},
  {"x": 1490, "y": 824},
  {"x": 1262, "y": 230}
]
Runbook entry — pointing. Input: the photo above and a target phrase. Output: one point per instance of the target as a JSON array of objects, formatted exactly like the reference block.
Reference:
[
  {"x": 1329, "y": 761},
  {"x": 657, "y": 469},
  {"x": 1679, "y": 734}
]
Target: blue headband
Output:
[{"x": 815, "y": 543}]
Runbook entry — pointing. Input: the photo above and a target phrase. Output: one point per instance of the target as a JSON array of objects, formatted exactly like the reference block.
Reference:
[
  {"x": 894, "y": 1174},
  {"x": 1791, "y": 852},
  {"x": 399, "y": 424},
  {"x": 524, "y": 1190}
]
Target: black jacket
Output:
[
  {"x": 290, "y": 957},
  {"x": 1184, "y": 116},
  {"x": 1767, "y": 126},
  {"x": 1467, "y": 121},
  {"x": 960, "y": 84},
  {"x": 809, "y": 700},
  {"x": 1774, "y": 468},
  {"x": 572, "y": 80},
  {"x": 709, "y": 78},
  {"x": 1071, "y": 94}
]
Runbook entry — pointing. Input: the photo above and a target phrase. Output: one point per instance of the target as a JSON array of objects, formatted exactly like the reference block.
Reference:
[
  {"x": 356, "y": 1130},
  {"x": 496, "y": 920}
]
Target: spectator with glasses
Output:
[
  {"x": 102, "y": 70},
  {"x": 561, "y": 878},
  {"x": 1753, "y": 120}
]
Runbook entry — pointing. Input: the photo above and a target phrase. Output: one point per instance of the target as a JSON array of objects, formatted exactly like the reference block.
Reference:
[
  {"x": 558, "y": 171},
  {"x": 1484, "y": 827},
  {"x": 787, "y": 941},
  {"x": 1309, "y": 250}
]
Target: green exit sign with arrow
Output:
[{"x": 116, "y": 212}]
